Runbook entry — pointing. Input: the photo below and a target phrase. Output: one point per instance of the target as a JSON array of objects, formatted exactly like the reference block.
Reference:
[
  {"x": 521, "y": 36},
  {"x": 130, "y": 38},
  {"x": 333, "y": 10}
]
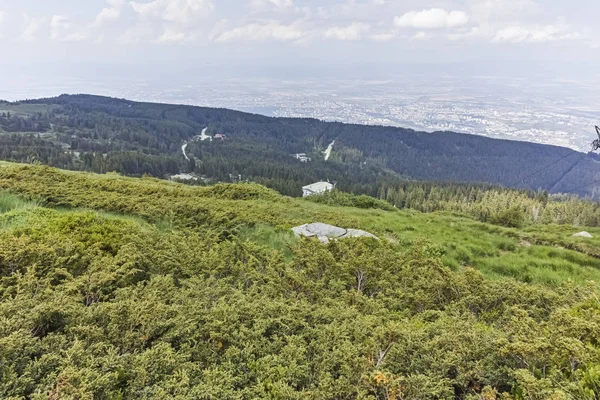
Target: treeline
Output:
[
  {"x": 36, "y": 122},
  {"x": 33, "y": 149},
  {"x": 486, "y": 203},
  {"x": 494, "y": 204},
  {"x": 130, "y": 163},
  {"x": 222, "y": 159}
]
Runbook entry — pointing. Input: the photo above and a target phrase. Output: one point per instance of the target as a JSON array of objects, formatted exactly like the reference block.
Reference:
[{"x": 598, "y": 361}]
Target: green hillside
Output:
[
  {"x": 125, "y": 288},
  {"x": 100, "y": 134}
]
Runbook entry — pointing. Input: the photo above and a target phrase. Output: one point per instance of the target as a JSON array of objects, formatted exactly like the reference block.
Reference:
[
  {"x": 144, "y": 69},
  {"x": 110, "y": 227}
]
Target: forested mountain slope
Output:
[
  {"x": 124, "y": 288},
  {"x": 104, "y": 134}
]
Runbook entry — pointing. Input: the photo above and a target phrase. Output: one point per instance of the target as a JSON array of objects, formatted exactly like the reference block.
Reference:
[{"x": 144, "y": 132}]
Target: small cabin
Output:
[
  {"x": 302, "y": 157},
  {"x": 184, "y": 177},
  {"x": 317, "y": 188}
]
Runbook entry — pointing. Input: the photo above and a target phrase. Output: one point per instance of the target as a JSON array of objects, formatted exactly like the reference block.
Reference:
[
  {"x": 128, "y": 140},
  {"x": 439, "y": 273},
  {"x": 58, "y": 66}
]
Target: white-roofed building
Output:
[
  {"x": 317, "y": 188},
  {"x": 302, "y": 157},
  {"x": 184, "y": 177}
]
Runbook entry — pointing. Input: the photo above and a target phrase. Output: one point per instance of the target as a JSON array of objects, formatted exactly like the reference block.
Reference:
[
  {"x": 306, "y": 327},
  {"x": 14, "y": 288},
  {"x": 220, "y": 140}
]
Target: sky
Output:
[{"x": 301, "y": 36}]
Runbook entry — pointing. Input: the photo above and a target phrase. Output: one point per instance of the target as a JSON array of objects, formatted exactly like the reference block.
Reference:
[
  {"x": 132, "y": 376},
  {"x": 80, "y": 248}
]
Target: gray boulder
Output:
[
  {"x": 303, "y": 231},
  {"x": 583, "y": 234},
  {"x": 318, "y": 229},
  {"x": 325, "y": 232}
]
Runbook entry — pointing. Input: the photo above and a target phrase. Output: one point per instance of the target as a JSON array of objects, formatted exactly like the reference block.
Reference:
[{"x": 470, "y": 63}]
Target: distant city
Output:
[{"x": 561, "y": 113}]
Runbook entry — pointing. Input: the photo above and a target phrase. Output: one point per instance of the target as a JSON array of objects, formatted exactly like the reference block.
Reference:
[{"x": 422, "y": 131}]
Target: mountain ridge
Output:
[{"x": 258, "y": 147}]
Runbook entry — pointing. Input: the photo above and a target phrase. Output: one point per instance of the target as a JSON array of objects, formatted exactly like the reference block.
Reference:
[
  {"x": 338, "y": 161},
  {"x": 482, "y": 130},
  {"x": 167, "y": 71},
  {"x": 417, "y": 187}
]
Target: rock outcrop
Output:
[
  {"x": 584, "y": 234},
  {"x": 326, "y": 233}
]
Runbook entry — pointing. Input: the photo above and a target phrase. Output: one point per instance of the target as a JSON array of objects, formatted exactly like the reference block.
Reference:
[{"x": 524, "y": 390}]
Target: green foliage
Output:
[
  {"x": 159, "y": 290},
  {"x": 232, "y": 210},
  {"x": 511, "y": 218},
  {"x": 278, "y": 239},
  {"x": 501, "y": 206},
  {"x": 10, "y": 202},
  {"x": 95, "y": 307},
  {"x": 337, "y": 198}
]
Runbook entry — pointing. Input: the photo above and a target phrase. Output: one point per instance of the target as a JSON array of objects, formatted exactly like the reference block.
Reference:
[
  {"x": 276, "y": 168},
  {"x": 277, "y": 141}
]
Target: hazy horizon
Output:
[
  {"x": 519, "y": 69},
  {"x": 279, "y": 37}
]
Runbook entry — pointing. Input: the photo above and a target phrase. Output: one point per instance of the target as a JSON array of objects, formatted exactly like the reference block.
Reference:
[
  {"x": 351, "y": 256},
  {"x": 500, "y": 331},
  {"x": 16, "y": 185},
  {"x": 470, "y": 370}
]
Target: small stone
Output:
[{"x": 323, "y": 239}]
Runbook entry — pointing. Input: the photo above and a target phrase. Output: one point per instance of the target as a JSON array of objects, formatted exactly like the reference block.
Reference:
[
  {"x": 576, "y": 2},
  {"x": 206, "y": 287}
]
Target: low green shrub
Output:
[{"x": 342, "y": 199}]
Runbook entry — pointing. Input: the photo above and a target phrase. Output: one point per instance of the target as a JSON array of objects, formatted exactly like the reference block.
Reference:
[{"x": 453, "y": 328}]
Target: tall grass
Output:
[
  {"x": 9, "y": 202},
  {"x": 269, "y": 236}
]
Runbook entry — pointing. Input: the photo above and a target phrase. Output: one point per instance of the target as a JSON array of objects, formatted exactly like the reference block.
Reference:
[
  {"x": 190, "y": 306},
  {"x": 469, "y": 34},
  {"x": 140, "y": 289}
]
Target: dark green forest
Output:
[{"x": 98, "y": 134}]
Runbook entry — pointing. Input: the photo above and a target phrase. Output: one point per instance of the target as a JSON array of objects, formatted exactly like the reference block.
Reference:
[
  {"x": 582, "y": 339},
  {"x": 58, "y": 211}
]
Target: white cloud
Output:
[
  {"x": 63, "y": 29},
  {"x": 548, "y": 33},
  {"x": 2, "y": 18},
  {"x": 33, "y": 26},
  {"x": 353, "y": 31},
  {"x": 265, "y": 31},
  {"x": 493, "y": 10},
  {"x": 183, "y": 12},
  {"x": 111, "y": 13},
  {"x": 383, "y": 37},
  {"x": 59, "y": 25},
  {"x": 282, "y": 3},
  {"x": 176, "y": 21},
  {"x": 420, "y": 36},
  {"x": 434, "y": 18},
  {"x": 260, "y": 4},
  {"x": 172, "y": 36},
  {"x": 137, "y": 33},
  {"x": 474, "y": 32}
]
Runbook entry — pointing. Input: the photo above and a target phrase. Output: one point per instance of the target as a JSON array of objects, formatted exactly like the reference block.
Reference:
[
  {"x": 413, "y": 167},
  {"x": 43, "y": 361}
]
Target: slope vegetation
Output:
[{"x": 114, "y": 287}]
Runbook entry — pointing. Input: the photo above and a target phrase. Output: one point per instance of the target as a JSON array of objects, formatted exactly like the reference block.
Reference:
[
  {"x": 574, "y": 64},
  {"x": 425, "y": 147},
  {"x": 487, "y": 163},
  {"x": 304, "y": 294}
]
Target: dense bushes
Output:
[
  {"x": 108, "y": 307},
  {"x": 337, "y": 198},
  {"x": 224, "y": 209},
  {"x": 512, "y": 218},
  {"x": 154, "y": 200},
  {"x": 203, "y": 297}
]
